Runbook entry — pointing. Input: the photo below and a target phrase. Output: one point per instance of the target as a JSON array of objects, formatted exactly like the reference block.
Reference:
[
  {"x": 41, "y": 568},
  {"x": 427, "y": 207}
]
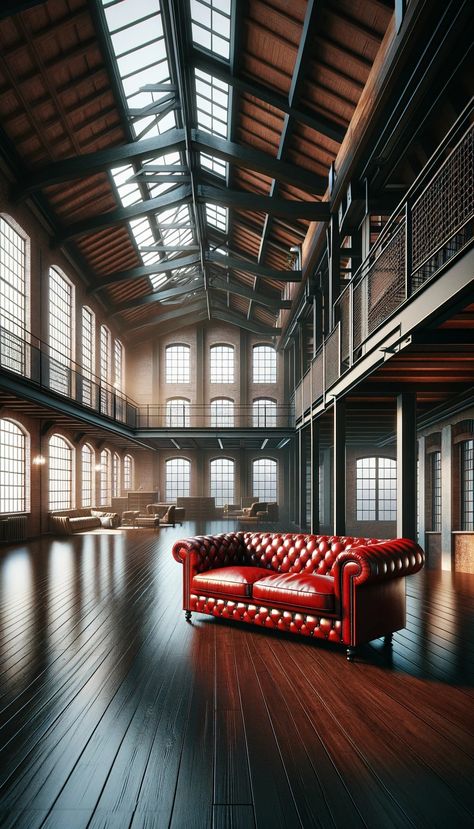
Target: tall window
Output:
[
  {"x": 178, "y": 358},
  {"x": 222, "y": 481},
  {"x": 13, "y": 466},
  {"x": 13, "y": 287},
  {"x": 265, "y": 479},
  {"x": 376, "y": 493},
  {"x": 88, "y": 477},
  {"x": 118, "y": 365},
  {"x": 222, "y": 413},
  {"x": 88, "y": 355},
  {"x": 467, "y": 485},
  {"x": 177, "y": 412},
  {"x": 128, "y": 472},
  {"x": 436, "y": 491},
  {"x": 61, "y": 491},
  {"x": 178, "y": 478},
  {"x": 60, "y": 332},
  {"x": 264, "y": 364},
  {"x": 116, "y": 476},
  {"x": 264, "y": 412},
  {"x": 105, "y": 395},
  {"x": 222, "y": 363},
  {"x": 105, "y": 495}
]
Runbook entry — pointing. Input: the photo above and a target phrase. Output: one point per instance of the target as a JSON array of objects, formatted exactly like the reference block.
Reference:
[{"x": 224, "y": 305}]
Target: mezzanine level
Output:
[{"x": 421, "y": 262}]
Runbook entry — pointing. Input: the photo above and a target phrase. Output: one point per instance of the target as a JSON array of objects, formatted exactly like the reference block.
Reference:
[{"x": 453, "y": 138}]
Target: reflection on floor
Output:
[{"x": 116, "y": 713}]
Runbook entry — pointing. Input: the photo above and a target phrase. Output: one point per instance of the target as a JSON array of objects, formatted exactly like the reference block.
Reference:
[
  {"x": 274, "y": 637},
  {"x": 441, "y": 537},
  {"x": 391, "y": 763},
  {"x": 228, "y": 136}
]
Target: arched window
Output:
[
  {"x": 222, "y": 480},
  {"x": 105, "y": 493},
  {"x": 128, "y": 472},
  {"x": 376, "y": 489},
  {"x": 264, "y": 412},
  {"x": 177, "y": 360},
  {"x": 60, "y": 332},
  {"x": 105, "y": 341},
  {"x": 222, "y": 412},
  {"x": 116, "y": 476},
  {"x": 88, "y": 355},
  {"x": 178, "y": 478},
  {"x": 14, "y": 447},
  {"x": 467, "y": 484},
  {"x": 222, "y": 363},
  {"x": 265, "y": 479},
  {"x": 61, "y": 467},
  {"x": 435, "y": 458},
  {"x": 13, "y": 296},
  {"x": 264, "y": 364},
  {"x": 177, "y": 412},
  {"x": 87, "y": 475}
]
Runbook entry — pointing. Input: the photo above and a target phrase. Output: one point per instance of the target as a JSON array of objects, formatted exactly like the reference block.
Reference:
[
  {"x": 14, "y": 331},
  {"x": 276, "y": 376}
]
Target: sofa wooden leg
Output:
[
  {"x": 187, "y": 615},
  {"x": 351, "y": 652},
  {"x": 388, "y": 640}
]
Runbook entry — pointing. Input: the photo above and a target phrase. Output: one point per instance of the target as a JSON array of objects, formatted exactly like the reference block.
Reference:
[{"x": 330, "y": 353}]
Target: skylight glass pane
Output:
[
  {"x": 211, "y": 25},
  {"x": 217, "y": 216},
  {"x": 212, "y": 103},
  {"x": 215, "y": 165}
]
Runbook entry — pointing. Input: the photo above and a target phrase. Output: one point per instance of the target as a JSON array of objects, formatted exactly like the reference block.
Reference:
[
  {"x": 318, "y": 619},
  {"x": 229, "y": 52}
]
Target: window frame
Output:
[
  {"x": 14, "y": 284},
  {"x": 65, "y": 483},
  {"x": 260, "y": 490},
  {"x": 88, "y": 500},
  {"x": 172, "y": 492},
  {"x": 184, "y": 416},
  {"x": 377, "y": 492},
  {"x": 222, "y": 371},
  {"x": 14, "y": 482},
  {"x": 176, "y": 374},
  {"x": 466, "y": 466},
  {"x": 257, "y": 408},
  {"x": 61, "y": 330},
  {"x": 219, "y": 487},
  {"x": 224, "y": 419},
  {"x": 261, "y": 373}
]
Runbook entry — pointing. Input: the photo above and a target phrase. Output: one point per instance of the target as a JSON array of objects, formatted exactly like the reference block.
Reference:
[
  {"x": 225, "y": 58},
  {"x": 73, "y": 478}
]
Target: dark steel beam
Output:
[
  {"x": 319, "y": 123},
  {"x": 231, "y": 286},
  {"x": 174, "y": 198},
  {"x": 100, "y": 161},
  {"x": 163, "y": 266},
  {"x": 191, "y": 311},
  {"x": 242, "y": 322},
  {"x": 250, "y": 158},
  {"x": 232, "y": 263},
  {"x": 243, "y": 200},
  {"x": 157, "y": 296}
]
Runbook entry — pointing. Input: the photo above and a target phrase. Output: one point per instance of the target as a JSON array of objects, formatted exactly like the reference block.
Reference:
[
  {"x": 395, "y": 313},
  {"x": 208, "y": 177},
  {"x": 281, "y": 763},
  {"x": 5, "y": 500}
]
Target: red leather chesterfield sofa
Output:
[{"x": 347, "y": 590}]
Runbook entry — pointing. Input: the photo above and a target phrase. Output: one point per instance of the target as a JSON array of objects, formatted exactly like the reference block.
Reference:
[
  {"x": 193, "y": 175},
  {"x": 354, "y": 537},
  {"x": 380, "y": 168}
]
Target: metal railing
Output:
[
  {"x": 195, "y": 416},
  {"x": 433, "y": 223},
  {"x": 31, "y": 358}
]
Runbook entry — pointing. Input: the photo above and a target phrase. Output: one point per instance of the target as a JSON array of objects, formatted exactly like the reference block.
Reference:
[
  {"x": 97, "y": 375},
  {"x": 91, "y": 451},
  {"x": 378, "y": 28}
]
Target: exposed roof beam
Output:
[
  {"x": 10, "y": 7},
  {"x": 230, "y": 262},
  {"x": 320, "y": 123},
  {"x": 157, "y": 296},
  {"x": 174, "y": 198},
  {"x": 231, "y": 286},
  {"x": 85, "y": 165},
  {"x": 244, "y": 200},
  {"x": 242, "y": 322},
  {"x": 191, "y": 311},
  {"x": 250, "y": 158},
  {"x": 303, "y": 57},
  {"x": 137, "y": 273}
]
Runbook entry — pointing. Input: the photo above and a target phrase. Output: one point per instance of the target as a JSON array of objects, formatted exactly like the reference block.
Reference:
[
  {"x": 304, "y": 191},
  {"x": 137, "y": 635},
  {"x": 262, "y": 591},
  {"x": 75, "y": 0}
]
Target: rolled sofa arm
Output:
[
  {"x": 206, "y": 552},
  {"x": 60, "y": 525},
  {"x": 382, "y": 561}
]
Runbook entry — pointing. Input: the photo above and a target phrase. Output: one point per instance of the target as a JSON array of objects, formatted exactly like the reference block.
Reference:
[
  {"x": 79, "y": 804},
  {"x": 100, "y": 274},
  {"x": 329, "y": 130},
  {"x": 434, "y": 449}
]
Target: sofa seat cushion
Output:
[
  {"x": 227, "y": 581},
  {"x": 303, "y": 590},
  {"x": 84, "y": 523}
]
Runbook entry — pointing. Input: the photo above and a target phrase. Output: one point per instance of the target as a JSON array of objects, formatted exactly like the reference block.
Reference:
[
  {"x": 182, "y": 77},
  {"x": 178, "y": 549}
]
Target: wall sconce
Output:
[
  {"x": 98, "y": 467},
  {"x": 39, "y": 460}
]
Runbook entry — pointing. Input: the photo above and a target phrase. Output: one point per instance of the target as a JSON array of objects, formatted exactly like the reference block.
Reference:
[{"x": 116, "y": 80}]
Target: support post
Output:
[
  {"x": 446, "y": 498},
  {"x": 422, "y": 492},
  {"x": 315, "y": 517},
  {"x": 339, "y": 469},
  {"x": 406, "y": 465}
]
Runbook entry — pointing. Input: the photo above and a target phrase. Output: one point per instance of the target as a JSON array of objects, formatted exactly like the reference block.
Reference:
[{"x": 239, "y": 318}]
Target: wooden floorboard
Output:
[{"x": 117, "y": 714}]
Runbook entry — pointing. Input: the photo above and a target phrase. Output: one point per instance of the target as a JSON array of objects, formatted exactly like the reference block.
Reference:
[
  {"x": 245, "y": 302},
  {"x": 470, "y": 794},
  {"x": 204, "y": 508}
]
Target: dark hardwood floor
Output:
[{"x": 115, "y": 713}]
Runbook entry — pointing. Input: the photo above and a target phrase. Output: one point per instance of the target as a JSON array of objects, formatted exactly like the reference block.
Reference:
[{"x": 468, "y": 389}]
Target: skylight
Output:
[
  {"x": 217, "y": 216},
  {"x": 210, "y": 21}
]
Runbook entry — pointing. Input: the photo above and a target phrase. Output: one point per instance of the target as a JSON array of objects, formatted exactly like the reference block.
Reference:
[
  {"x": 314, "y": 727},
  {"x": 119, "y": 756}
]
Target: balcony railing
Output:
[
  {"x": 432, "y": 224},
  {"x": 206, "y": 417},
  {"x": 49, "y": 370}
]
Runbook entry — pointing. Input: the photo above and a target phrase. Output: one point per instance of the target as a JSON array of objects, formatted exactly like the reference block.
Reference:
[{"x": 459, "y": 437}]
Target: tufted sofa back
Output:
[
  {"x": 296, "y": 553},
  {"x": 281, "y": 552}
]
